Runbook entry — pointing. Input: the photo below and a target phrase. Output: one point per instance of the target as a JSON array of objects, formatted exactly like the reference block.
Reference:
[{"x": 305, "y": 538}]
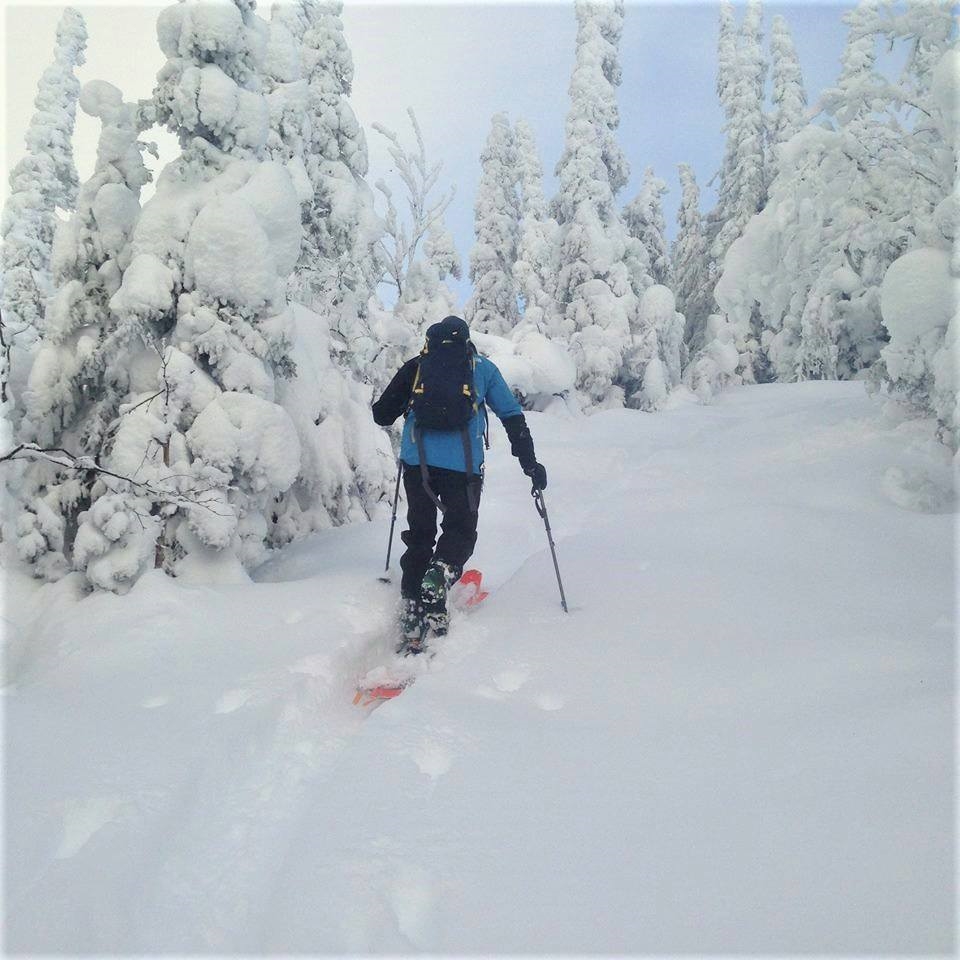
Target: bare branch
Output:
[
  {"x": 399, "y": 245},
  {"x": 81, "y": 464}
]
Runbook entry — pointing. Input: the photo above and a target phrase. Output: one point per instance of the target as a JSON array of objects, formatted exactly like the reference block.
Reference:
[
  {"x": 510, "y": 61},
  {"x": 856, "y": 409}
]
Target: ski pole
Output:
[
  {"x": 393, "y": 522},
  {"x": 542, "y": 510}
]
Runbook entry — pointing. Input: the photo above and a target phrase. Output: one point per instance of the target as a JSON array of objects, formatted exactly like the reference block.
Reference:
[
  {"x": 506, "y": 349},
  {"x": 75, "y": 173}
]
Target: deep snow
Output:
[{"x": 740, "y": 740}]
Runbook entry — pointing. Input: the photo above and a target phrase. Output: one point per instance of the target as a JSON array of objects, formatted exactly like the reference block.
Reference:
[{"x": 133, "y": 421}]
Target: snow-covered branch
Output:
[{"x": 399, "y": 246}]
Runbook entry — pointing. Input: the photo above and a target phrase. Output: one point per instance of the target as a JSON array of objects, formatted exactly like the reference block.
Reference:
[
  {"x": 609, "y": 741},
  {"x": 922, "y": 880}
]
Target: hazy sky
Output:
[{"x": 456, "y": 65}]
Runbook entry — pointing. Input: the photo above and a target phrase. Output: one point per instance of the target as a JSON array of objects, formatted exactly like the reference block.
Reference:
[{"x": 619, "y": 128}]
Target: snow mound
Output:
[
  {"x": 918, "y": 294},
  {"x": 249, "y": 433},
  {"x": 147, "y": 288},
  {"x": 532, "y": 365}
]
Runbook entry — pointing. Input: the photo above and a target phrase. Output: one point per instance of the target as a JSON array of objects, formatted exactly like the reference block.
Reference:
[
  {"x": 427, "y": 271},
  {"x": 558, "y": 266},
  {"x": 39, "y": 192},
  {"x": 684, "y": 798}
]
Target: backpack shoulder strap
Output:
[{"x": 417, "y": 387}]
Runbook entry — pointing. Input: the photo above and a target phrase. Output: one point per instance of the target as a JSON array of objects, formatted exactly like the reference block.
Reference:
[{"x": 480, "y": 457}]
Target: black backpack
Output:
[{"x": 444, "y": 396}]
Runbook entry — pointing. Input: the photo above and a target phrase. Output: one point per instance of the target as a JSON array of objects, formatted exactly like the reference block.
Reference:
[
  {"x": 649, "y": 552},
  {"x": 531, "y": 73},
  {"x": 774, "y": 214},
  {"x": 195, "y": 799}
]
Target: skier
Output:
[{"x": 444, "y": 393}]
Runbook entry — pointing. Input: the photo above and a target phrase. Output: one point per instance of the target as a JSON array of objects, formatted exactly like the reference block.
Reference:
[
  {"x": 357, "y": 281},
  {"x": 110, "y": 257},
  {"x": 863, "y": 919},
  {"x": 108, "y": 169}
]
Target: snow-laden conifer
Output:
[
  {"x": 847, "y": 202},
  {"x": 788, "y": 95},
  {"x": 726, "y": 55},
  {"x": 44, "y": 180},
  {"x": 920, "y": 291},
  {"x": 742, "y": 185},
  {"x": 653, "y": 359},
  {"x": 88, "y": 363},
  {"x": 594, "y": 290},
  {"x": 426, "y": 295},
  {"x": 644, "y": 220},
  {"x": 204, "y": 292},
  {"x": 690, "y": 263},
  {"x": 725, "y": 86},
  {"x": 337, "y": 271},
  {"x": 493, "y": 306},
  {"x": 741, "y": 195},
  {"x": 344, "y": 459}
]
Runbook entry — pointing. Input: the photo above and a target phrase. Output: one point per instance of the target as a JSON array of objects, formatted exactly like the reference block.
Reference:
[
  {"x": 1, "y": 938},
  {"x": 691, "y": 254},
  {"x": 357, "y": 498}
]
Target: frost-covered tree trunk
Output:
[
  {"x": 789, "y": 97},
  {"x": 43, "y": 181},
  {"x": 535, "y": 267},
  {"x": 493, "y": 306},
  {"x": 643, "y": 218},
  {"x": 594, "y": 288},
  {"x": 690, "y": 263}
]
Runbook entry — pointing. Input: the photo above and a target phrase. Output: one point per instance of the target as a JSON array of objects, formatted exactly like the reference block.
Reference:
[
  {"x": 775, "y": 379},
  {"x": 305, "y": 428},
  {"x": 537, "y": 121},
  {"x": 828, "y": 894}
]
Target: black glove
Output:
[{"x": 538, "y": 474}]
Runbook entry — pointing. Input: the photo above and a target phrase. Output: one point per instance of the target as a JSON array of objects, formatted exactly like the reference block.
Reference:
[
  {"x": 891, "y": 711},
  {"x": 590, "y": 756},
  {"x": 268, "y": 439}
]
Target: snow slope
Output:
[{"x": 740, "y": 740}]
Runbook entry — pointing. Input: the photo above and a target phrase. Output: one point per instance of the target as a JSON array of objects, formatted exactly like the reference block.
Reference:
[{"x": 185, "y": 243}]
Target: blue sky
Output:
[
  {"x": 464, "y": 63},
  {"x": 456, "y": 65}
]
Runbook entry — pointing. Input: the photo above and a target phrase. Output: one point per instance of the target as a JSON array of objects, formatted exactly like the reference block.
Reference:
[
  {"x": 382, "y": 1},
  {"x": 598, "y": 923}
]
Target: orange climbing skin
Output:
[
  {"x": 472, "y": 578},
  {"x": 377, "y": 693}
]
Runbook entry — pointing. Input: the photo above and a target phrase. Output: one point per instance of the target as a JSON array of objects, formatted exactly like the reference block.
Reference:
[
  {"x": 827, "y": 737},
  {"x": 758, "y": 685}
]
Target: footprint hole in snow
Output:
[
  {"x": 233, "y": 700},
  {"x": 512, "y": 679},
  {"x": 84, "y": 817},
  {"x": 433, "y": 758},
  {"x": 549, "y": 701}
]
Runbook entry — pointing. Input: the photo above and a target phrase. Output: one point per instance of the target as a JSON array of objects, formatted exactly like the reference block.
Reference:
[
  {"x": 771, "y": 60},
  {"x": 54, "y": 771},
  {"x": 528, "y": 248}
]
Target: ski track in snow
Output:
[{"x": 190, "y": 775}]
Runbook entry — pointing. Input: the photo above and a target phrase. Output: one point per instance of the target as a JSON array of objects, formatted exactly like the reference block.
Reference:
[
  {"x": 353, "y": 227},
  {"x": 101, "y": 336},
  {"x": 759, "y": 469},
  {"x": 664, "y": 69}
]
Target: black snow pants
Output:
[{"x": 459, "y": 524}]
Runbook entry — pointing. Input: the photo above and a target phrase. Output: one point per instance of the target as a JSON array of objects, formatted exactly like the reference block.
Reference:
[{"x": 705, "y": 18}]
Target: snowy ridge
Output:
[{"x": 738, "y": 741}]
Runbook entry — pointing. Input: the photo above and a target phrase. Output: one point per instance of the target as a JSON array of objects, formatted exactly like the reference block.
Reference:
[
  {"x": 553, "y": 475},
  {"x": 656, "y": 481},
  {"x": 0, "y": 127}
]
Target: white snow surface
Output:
[{"x": 738, "y": 741}]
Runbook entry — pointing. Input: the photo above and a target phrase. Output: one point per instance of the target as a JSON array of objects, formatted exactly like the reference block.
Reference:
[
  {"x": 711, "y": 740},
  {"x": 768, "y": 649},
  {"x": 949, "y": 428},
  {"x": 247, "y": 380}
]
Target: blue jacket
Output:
[{"x": 444, "y": 448}]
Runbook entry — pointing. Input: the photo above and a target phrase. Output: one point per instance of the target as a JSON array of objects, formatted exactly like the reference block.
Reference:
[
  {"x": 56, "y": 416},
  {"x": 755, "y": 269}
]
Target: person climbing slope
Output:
[{"x": 444, "y": 393}]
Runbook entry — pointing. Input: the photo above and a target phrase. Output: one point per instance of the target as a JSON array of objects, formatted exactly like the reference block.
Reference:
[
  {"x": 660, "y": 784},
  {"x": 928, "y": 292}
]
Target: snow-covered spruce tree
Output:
[
  {"x": 344, "y": 458},
  {"x": 426, "y": 294},
  {"x": 920, "y": 291},
  {"x": 652, "y": 362},
  {"x": 725, "y": 86},
  {"x": 742, "y": 183},
  {"x": 690, "y": 264},
  {"x": 741, "y": 195},
  {"x": 205, "y": 289},
  {"x": 594, "y": 289},
  {"x": 85, "y": 367},
  {"x": 338, "y": 271},
  {"x": 493, "y": 306},
  {"x": 847, "y": 202},
  {"x": 534, "y": 270},
  {"x": 902, "y": 167},
  {"x": 44, "y": 180},
  {"x": 788, "y": 96},
  {"x": 643, "y": 218}
]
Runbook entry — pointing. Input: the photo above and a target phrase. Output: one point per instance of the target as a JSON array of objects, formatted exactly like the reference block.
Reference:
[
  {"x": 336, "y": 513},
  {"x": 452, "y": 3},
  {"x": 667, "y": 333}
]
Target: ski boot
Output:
[
  {"x": 433, "y": 595},
  {"x": 412, "y": 627}
]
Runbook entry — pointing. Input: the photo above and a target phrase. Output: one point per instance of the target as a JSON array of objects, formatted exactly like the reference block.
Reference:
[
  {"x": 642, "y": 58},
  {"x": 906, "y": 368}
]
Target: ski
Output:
[
  {"x": 379, "y": 693},
  {"x": 375, "y": 689}
]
